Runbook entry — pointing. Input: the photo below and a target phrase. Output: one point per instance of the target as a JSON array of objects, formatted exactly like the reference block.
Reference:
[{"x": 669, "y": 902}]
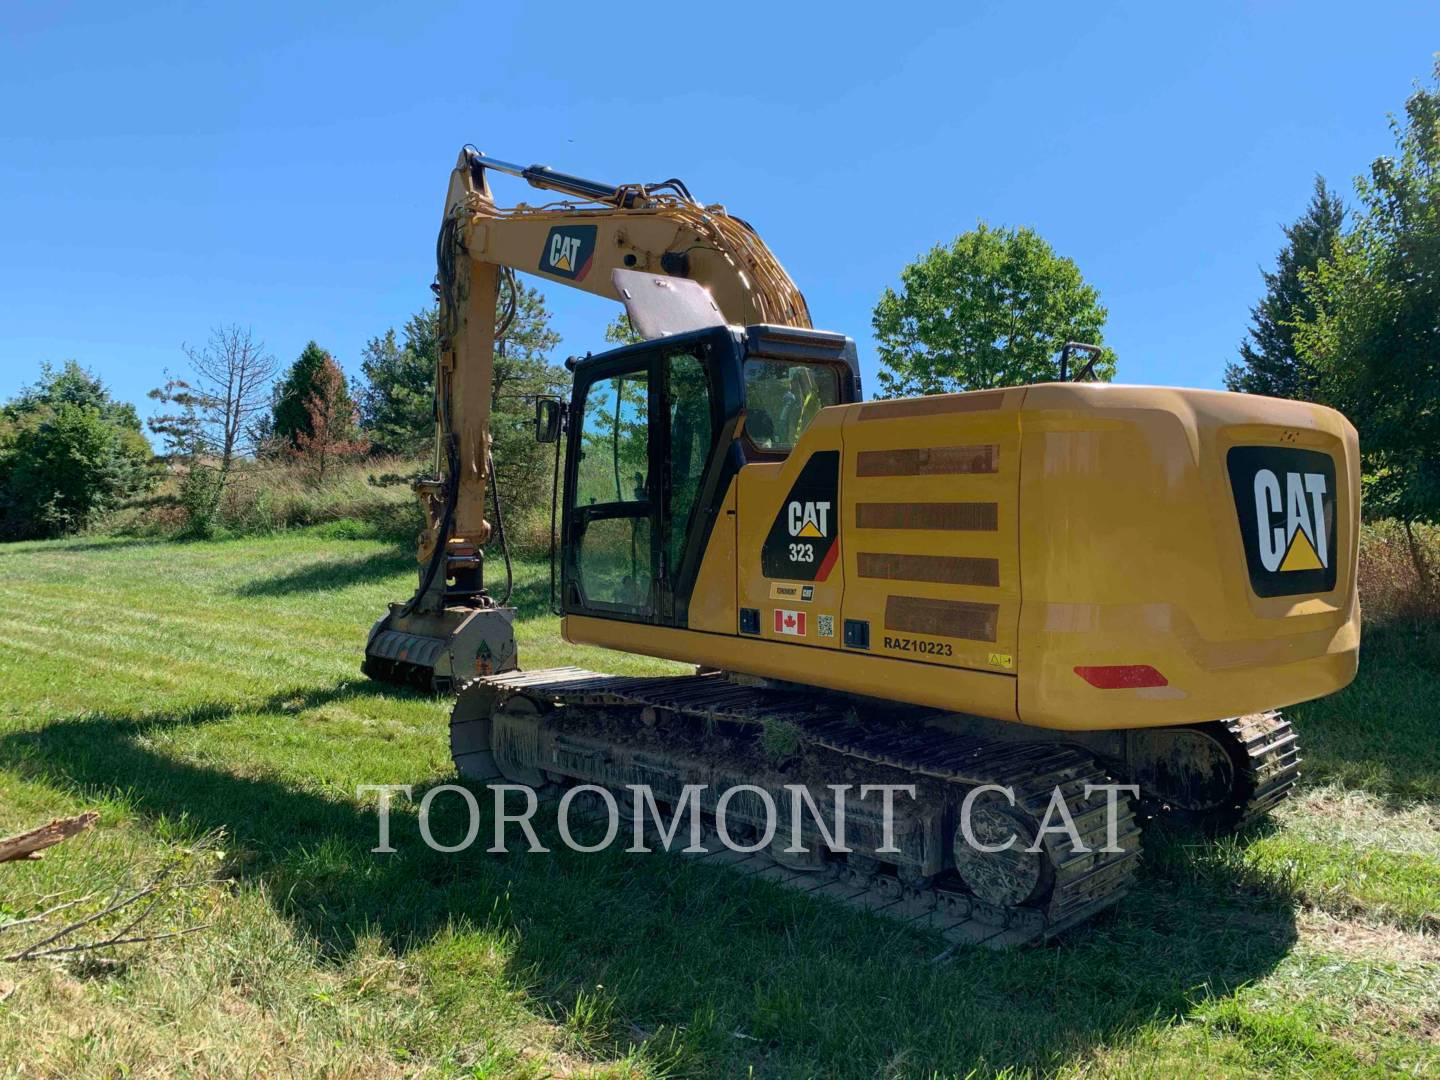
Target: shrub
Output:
[
  {"x": 271, "y": 496},
  {"x": 68, "y": 455},
  {"x": 200, "y": 490},
  {"x": 1393, "y": 589}
]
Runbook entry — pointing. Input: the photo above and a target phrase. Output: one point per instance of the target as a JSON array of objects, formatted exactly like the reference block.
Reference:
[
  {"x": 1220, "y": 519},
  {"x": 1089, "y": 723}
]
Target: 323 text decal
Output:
[{"x": 803, "y": 542}]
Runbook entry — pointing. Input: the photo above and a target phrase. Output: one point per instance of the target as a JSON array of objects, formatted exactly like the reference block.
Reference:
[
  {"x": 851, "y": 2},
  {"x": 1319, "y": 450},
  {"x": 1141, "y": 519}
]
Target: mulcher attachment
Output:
[{"x": 437, "y": 652}]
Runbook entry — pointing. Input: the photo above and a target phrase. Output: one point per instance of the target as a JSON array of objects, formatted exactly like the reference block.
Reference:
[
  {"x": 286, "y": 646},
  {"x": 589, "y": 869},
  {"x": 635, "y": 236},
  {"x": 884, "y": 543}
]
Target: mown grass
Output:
[{"x": 185, "y": 689}]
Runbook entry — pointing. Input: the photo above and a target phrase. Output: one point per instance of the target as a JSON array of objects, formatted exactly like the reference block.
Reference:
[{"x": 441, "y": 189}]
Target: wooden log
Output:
[{"x": 28, "y": 845}]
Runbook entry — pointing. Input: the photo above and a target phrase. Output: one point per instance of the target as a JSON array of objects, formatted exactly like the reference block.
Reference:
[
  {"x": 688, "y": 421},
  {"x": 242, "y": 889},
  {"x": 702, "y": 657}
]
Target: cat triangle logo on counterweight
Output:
[{"x": 1301, "y": 555}]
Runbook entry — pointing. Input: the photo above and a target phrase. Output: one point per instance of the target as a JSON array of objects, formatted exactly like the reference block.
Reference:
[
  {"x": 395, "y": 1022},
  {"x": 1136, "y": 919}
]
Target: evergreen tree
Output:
[
  {"x": 397, "y": 395},
  {"x": 68, "y": 454},
  {"x": 523, "y": 372},
  {"x": 397, "y": 398},
  {"x": 71, "y": 385},
  {"x": 1268, "y": 360},
  {"x": 302, "y": 382},
  {"x": 333, "y": 435}
]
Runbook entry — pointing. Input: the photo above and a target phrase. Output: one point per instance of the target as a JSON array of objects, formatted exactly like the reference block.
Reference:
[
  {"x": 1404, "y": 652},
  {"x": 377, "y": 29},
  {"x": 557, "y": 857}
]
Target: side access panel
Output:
[{"x": 930, "y": 518}]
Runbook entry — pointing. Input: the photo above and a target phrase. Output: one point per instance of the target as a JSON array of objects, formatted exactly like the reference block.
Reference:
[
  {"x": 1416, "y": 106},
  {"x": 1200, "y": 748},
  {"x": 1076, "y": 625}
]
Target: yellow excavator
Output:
[{"x": 1045, "y": 587}]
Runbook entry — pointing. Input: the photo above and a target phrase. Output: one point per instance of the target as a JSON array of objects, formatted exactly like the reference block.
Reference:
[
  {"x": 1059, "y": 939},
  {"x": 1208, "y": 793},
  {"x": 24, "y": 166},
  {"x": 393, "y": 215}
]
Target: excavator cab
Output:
[{"x": 657, "y": 431}]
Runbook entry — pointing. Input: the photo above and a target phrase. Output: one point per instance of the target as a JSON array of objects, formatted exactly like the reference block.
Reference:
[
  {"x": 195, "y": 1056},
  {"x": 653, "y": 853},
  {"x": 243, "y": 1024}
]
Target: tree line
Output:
[
  {"x": 70, "y": 454},
  {"x": 1350, "y": 317}
]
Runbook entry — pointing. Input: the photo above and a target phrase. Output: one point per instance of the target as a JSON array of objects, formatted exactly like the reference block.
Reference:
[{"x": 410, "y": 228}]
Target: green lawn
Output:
[{"x": 190, "y": 689}]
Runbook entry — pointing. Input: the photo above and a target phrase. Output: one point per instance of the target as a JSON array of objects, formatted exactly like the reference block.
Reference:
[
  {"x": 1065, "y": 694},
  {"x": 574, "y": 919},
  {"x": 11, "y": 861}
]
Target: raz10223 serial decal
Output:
[{"x": 919, "y": 645}]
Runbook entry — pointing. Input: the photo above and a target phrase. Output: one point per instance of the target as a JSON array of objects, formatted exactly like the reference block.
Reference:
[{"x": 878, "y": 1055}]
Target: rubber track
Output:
[
  {"x": 1085, "y": 882},
  {"x": 1267, "y": 753}
]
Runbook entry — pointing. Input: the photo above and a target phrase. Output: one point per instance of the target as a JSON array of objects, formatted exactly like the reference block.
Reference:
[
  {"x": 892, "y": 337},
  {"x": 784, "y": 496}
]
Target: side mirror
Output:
[{"x": 548, "y": 417}]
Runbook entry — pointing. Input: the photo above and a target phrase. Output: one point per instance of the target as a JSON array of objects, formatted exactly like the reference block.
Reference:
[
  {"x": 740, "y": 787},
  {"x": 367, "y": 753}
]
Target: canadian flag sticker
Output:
[{"x": 789, "y": 622}]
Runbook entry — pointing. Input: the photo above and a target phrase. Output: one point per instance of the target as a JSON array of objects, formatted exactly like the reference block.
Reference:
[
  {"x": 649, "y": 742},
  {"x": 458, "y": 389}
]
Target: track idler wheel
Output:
[
  {"x": 1185, "y": 768},
  {"x": 1220, "y": 776},
  {"x": 1005, "y": 878}
]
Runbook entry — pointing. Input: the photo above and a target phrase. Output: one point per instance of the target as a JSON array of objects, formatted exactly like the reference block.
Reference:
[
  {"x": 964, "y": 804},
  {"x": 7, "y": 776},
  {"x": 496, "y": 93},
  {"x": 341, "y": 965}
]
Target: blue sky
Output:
[{"x": 168, "y": 167}]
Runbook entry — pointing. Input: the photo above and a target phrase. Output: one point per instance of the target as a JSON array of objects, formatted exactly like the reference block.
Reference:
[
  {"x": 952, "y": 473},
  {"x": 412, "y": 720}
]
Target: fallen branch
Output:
[
  {"x": 91, "y": 946},
  {"x": 42, "y": 916},
  {"x": 137, "y": 903},
  {"x": 28, "y": 845}
]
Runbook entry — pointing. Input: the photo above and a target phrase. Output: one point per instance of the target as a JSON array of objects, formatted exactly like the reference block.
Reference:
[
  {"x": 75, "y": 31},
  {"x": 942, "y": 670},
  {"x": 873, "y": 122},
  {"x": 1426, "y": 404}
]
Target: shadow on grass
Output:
[
  {"x": 530, "y": 594},
  {"x": 721, "y": 972},
  {"x": 331, "y": 574}
]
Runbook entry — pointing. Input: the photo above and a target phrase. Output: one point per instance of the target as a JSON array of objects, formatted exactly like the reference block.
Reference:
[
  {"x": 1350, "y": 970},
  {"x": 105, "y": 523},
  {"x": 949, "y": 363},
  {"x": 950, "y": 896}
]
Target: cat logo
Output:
[
  {"x": 803, "y": 544},
  {"x": 1285, "y": 500},
  {"x": 809, "y": 519},
  {"x": 1292, "y": 536},
  {"x": 568, "y": 251}
]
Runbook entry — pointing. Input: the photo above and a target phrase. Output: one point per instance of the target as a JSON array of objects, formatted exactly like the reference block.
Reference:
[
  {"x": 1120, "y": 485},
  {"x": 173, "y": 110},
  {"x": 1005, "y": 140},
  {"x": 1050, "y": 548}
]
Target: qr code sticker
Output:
[{"x": 825, "y": 625}]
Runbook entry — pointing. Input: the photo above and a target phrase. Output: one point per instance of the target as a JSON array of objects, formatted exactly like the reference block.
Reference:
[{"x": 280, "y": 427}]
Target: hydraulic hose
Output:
[{"x": 500, "y": 528}]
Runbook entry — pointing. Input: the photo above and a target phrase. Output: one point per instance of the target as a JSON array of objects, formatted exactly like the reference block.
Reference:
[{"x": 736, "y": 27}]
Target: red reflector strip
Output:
[{"x": 1122, "y": 676}]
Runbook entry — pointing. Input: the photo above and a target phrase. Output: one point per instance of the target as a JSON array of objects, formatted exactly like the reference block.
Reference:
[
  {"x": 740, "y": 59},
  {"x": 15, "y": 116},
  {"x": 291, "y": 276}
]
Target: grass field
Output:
[{"x": 190, "y": 690}]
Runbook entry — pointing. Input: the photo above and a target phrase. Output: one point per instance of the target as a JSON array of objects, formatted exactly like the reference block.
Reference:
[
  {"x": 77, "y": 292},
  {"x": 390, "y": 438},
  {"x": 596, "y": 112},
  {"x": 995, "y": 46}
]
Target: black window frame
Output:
[
  {"x": 719, "y": 351},
  {"x": 724, "y": 350}
]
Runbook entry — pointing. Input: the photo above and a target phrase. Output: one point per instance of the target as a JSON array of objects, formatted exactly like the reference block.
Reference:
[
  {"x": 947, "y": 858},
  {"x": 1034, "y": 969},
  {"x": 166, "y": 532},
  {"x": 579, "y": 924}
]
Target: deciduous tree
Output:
[
  {"x": 68, "y": 454},
  {"x": 214, "y": 409},
  {"x": 1374, "y": 337},
  {"x": 993, "y": 308}
]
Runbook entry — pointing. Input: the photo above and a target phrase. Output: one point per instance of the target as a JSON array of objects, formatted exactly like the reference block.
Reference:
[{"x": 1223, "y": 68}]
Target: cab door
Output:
[
  {"x": 611, "y": 536},
  {"x": 646, "y": 477}
]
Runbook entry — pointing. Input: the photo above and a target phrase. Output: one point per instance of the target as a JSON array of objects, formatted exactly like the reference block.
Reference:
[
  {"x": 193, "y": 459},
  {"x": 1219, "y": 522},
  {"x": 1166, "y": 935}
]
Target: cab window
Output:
[
  {"x": 612, "y": 495},
  {"x": 615, "y": 441},
  {"x": 782, "y": 398}
]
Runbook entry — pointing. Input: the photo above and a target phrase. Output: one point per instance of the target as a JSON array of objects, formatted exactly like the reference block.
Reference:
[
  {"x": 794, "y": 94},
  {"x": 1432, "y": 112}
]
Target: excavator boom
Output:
[{"x": 452, "y": 628}]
